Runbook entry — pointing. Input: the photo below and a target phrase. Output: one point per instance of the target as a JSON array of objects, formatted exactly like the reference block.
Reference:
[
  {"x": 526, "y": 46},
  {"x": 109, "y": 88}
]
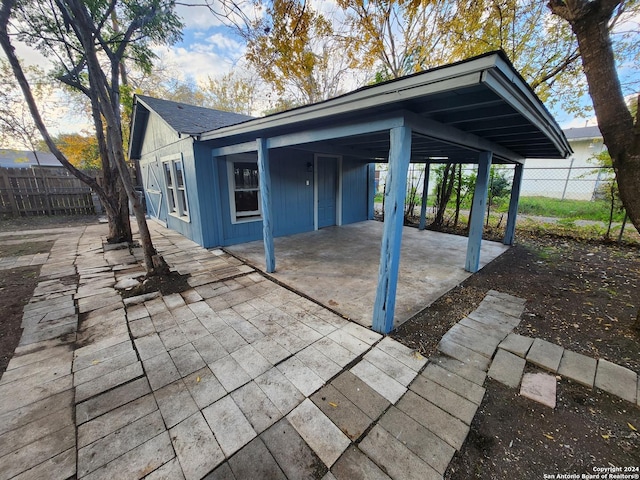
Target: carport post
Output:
[
  {"x": 510, "y": 231},
  {"x": 425, "y": 192},
  {"x": 476, "y": 225},
  {"x": 395, "y": 193},
  {"x": 265, "y": 196}
]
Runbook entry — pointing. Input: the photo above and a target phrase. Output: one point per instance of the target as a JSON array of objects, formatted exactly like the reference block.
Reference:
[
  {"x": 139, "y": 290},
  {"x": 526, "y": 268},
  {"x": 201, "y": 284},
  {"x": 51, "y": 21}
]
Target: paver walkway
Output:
[{"x": 236, "y": 378}]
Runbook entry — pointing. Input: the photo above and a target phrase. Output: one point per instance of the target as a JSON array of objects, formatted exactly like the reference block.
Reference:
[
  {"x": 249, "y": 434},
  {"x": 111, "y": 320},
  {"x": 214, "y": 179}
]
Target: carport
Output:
[{"x": 478, "y": 111}]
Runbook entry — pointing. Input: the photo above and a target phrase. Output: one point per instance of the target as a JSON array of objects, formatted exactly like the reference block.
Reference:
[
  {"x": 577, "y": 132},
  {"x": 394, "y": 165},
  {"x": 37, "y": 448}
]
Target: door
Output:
[
  {"x": 153, "y": 191},
  {"x": 327, "y": 182}
]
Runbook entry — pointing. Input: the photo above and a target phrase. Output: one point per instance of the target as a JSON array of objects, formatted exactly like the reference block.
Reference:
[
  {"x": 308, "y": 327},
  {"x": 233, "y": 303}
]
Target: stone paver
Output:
[
  {"x": 517, "y": 344},
  {"x": 294, "y": 456},
  {"x": 237, "y": 377},
  {"x": 507, "y": 368},
  {"x": 397, "y": 460},
  {"x": 578, "y": 367},
  {"x": 539, "y": 387},
  {"x": 326, "y": 440},
  {"x": 617, "y": 380},
  {"x": 545, "y": 355}
]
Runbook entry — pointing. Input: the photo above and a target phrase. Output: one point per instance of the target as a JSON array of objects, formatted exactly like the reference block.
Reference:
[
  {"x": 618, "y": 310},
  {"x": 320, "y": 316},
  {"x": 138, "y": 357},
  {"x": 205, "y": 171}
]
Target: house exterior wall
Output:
[
  {"x": 292, "y": 190},
  {"x": 161, "y": 144}
]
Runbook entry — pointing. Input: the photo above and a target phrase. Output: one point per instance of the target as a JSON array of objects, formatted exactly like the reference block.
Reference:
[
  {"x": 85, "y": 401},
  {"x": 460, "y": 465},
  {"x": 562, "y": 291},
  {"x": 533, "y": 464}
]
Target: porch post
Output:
[
  {"x": 395, "y": 193},
  {"x": 478, "y": 208},
  {"x": 425, "y": 192},
  {"x": 264, "y": 175},
  {"x": 510, "y": 231}
]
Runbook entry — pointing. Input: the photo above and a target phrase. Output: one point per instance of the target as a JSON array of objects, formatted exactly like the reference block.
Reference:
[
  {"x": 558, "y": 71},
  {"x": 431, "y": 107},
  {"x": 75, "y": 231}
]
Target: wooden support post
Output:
[
  {"x": 265, "y": 196},
  {"x": 425, "y": 193},
  {"x": 510, "y": 231},
  {"x": 476, "y": 225},
  {"x": 395, "y": 193}
]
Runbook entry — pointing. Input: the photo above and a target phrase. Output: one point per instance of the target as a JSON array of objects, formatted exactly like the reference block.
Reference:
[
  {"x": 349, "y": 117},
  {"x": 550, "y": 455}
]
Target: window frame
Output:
[
  {"x": 177, "y": 198},
  {"x": 242, "y": 217}
]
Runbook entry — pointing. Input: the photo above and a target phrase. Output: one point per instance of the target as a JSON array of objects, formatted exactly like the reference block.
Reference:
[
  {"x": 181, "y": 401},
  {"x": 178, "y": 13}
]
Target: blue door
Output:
[{"x": 327, "y": 168}]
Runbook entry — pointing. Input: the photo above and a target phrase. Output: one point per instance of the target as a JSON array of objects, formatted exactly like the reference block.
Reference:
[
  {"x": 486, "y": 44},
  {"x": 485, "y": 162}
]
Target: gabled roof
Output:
[{"x": 185, "y": 119}]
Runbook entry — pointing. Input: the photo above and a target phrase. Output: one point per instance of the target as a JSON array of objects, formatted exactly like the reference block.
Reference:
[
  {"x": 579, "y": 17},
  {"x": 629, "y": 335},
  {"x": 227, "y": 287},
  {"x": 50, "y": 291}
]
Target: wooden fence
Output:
[{"x": 43, "y": 191}]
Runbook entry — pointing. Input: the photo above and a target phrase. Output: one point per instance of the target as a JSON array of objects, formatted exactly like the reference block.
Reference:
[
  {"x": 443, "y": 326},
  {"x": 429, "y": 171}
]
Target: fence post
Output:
[{"x": 566, "y": 182}]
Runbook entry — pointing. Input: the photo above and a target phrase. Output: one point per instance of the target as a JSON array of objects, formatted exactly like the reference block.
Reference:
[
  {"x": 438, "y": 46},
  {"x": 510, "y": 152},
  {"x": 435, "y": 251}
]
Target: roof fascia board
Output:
[
  {"x": 316, "y": 135},
  {"x": 134, "y": 126},
  {"x": 327, "y": 148},
  {"x": 403, "y": 89},
  {"x": 446, "y": 133},
  {"x": 509, "y": 87}
]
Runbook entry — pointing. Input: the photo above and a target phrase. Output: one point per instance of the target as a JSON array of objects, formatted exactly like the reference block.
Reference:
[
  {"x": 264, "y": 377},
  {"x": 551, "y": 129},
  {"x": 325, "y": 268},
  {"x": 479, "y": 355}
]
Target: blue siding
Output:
[{"x": 355, "y": 191}]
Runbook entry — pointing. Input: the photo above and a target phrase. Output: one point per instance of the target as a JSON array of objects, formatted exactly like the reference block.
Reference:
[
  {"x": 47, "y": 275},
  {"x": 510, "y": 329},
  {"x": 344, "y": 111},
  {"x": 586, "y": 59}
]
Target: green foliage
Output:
[{"x": 566, "y": 209}]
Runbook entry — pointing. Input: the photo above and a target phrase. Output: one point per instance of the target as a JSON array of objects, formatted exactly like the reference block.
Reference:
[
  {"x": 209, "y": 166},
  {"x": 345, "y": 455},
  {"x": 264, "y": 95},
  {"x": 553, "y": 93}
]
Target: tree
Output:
[
  {"x": 81, "y": 150},
  {"x": 16, "y": 124},
  {"x": 231, "y": 93},
  {"x": 89, "y": 48},
  {"x": 591, "y": 22}
]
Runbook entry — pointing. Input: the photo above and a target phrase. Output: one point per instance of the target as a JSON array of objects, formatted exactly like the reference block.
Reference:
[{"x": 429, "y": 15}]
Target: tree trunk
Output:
[{"x": 589, "y": 21}]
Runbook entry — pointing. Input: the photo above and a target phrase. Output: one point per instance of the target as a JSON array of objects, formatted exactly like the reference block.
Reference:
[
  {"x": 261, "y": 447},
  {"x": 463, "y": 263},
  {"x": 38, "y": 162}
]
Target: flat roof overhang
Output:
[{"x": 454, "y": 112}]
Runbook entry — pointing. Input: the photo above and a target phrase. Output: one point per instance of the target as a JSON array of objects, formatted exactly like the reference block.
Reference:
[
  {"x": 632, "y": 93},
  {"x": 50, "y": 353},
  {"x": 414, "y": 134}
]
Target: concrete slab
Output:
[
  {"x": 300, "y": 375},
  {"x": 294, "y": 456},
  {"x": 160, "y": 370},
  {"x": 507, "y": 368},
  {"x": 396, "y": 459},
  {"x": 545, "y": 355},
  {"x": 170, "y": 470},
  {"x": 345, "y": 277},
  {"x": 617, "y": 380},
  {"x": 517, "y": 344},
  {"x": 578, "y": 367},
  {"x": 540, "y": 387}
]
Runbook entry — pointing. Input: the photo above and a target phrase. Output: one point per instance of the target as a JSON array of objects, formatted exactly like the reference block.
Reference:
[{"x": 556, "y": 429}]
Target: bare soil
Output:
[{"x": 581, "y": 295}]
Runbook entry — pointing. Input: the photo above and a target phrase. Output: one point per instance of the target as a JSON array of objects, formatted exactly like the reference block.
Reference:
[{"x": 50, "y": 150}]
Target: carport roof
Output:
[{"x": 454, "y": 111}]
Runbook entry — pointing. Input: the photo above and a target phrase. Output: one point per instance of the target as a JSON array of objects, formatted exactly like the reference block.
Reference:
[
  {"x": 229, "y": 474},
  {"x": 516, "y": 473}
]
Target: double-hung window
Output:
[
  {"x": 176, "y": 188},
  {"x": 244, "y": 190}
]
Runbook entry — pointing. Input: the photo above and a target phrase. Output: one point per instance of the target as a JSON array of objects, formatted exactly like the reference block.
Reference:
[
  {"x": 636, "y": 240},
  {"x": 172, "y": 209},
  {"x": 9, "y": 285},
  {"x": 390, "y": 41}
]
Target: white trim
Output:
[
  {"x": 231, "y": 182},
  {"x": 339, "y": 191},
  {"x": 181, "y": 208}
]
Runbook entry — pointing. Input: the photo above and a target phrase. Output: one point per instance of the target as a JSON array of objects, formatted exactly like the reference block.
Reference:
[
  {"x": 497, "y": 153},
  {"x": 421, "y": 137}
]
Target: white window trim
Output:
[
  {"x": 181, "y": 208},
  {"x": 231, "y": 182}
]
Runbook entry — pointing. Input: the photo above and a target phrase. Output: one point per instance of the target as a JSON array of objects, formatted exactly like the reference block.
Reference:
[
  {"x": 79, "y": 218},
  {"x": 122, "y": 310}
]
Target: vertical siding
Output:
[{"x": 355, "y": 191}]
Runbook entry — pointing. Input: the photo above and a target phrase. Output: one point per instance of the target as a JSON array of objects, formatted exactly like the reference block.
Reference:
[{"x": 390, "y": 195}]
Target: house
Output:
[
  {"x": 221, "y": 179},
  {"x": 577, "y": 177}
]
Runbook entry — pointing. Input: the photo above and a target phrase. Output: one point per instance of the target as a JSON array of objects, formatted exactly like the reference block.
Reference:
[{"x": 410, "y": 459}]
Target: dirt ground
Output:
[{"x": 583, "y": 296}]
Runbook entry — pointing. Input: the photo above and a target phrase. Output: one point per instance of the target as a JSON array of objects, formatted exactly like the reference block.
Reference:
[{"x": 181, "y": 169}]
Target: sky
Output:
[{"x": 209, "y": 49}]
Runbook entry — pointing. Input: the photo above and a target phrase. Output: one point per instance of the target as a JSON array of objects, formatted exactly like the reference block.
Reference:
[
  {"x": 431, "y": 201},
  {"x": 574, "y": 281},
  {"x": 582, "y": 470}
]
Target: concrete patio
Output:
[{"x": 338, "y": 266}]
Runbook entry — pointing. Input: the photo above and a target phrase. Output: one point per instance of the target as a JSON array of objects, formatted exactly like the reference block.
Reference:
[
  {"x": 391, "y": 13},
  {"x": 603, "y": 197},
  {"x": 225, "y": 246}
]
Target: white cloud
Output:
[{"x": 196, "y": 62}]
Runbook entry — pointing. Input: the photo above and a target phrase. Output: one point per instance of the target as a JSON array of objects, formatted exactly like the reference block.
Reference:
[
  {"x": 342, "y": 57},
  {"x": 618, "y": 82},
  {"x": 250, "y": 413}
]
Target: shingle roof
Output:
[
  {"x": 190, "y": 119},
  {"x": 582, "y": 133}
]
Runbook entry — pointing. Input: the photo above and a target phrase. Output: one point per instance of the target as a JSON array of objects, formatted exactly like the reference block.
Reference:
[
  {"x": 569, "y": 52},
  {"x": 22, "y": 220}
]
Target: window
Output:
[
  {"x": 244, "y": 191},
  {"x": 176, "y": 188}
]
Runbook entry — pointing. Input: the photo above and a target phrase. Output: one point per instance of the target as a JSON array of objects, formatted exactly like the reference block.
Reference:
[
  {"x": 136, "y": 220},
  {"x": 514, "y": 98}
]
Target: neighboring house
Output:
[
  {"x": 221, "y": 179},
  {"x": 577, "y": 177},
  {"x": 25, "y": 159}
]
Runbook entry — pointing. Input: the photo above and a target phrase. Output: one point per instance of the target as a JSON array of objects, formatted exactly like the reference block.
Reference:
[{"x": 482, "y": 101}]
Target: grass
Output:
[{"x": 568, "y": 209}]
